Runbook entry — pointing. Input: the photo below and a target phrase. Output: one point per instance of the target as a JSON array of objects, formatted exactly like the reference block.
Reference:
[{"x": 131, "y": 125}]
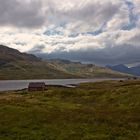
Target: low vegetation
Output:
[
  {"x": 15, "y": 65},
  {"x": 93, "y": 111}
]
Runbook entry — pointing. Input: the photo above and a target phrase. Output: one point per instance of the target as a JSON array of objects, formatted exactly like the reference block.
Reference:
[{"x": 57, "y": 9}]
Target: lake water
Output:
[{"x": 6, "y": 85}]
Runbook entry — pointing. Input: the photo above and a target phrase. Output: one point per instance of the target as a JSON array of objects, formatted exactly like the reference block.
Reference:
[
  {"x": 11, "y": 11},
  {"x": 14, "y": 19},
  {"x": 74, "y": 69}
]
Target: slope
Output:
[{"x": 16, "y": 65}]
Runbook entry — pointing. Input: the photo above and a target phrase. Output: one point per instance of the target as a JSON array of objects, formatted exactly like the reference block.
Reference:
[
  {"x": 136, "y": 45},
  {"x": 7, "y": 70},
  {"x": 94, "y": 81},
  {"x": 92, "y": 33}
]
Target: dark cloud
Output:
[
  {"x": 94, "y": 13},
  {"x": 21, "y": 14},
  {"x": 29, "y": 13},
  {"x": 37, "y": 49},
  {"x": 116, "y": 55},
  {"x": 74, "y": 29}
]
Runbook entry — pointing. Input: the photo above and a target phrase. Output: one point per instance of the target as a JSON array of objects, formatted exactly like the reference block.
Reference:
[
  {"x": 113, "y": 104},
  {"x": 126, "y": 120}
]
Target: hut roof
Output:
[{"x": 36, "y": 84}]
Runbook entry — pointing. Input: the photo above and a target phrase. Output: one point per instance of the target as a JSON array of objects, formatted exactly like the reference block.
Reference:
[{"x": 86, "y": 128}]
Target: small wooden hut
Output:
[{"x": 36, "y": 86}]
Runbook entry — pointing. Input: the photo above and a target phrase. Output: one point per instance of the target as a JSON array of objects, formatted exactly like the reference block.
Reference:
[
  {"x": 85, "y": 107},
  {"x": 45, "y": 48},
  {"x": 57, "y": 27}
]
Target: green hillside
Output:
[
  {"x": 93, "y": 111},
  {"x": 31, "y": 70},
  {"x": 17, "y": 65},
  {"x": 84, "y": 70}
]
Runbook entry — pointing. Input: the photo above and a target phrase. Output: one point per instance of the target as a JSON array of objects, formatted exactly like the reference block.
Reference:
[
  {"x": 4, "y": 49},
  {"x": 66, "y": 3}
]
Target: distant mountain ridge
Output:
[
  {"x": 16, "y": 65},
  {"x": 123, "y": 68}
]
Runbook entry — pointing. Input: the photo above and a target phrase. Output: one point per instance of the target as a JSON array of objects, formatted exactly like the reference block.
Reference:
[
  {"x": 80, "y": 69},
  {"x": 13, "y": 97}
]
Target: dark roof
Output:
[{"x": 36, "y": 84}]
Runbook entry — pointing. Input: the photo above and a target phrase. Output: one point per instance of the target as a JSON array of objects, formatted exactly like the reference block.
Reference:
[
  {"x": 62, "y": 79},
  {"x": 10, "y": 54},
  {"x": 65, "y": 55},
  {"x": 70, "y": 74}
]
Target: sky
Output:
[{"x": 104, "y": 32}]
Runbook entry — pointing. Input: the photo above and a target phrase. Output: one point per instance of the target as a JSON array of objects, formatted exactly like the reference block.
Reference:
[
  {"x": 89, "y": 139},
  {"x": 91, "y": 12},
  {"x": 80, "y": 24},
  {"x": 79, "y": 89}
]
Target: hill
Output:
[
  {"x": 17, "y": 65},
  {"x": 92, "y": 111},
  {"x": 84, "y": 70},
  {"x": 123, "y": 68},
  {"x": 7, "y": 55}
]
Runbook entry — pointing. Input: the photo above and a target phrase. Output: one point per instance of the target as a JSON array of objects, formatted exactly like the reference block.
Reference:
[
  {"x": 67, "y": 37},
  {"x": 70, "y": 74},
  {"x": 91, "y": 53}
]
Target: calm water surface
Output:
[{"x": 6, "y": 85}]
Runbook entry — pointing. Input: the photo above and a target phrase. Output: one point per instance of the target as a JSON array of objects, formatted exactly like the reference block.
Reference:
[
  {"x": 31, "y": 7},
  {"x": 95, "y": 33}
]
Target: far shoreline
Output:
[{"x": 10, "y": 85}]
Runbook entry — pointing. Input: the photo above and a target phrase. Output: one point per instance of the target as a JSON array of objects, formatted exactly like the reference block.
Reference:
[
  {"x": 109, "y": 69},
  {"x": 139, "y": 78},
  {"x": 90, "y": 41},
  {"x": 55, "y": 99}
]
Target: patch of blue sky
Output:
[
  {"x": 57, "y": 30},
  {"x": 51, "y": 32},
  {"x": 93, "y": 33},
  {"x": 96, "y": 32},
  {"x": 133, "y": 17}
]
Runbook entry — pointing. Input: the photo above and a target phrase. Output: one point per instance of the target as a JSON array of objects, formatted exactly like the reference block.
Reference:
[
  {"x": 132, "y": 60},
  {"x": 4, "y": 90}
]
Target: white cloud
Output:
[{"x": 70, "y": 25}]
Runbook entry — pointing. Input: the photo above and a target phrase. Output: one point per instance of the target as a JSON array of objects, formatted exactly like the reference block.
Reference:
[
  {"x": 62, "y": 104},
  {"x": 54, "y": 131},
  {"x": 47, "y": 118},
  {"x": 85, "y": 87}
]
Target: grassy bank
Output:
[{"x": 93, "y": 111}]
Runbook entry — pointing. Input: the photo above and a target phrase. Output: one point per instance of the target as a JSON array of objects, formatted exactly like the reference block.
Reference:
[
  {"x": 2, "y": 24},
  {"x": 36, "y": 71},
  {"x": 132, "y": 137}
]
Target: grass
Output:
[
  {"x": 93, "y": 111},
  {"x": 17, "y": 70},
  {"x": 29, "y": 70}
]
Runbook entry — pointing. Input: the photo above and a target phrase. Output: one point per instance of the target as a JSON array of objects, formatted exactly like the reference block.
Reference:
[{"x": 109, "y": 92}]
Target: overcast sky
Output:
[{"x": 96, "y": 31}]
